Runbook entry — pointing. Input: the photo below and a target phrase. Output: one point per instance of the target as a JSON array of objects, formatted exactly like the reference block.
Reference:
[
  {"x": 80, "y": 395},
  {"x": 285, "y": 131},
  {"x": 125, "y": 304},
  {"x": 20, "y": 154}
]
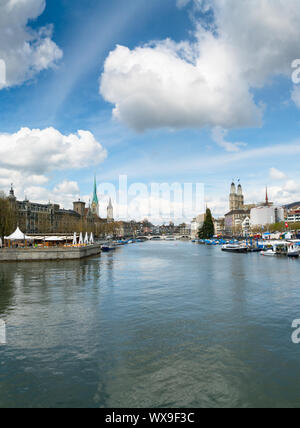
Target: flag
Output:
[{"x": 287, "y": 225}]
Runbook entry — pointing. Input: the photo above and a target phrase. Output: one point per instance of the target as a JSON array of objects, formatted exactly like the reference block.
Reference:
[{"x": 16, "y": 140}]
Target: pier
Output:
[{"x": 51, "y": 253}]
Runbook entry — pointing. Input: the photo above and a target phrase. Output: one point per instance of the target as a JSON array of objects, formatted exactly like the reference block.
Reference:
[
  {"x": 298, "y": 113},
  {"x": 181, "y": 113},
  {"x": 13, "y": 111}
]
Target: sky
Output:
[{"x": 173, "y": 91}]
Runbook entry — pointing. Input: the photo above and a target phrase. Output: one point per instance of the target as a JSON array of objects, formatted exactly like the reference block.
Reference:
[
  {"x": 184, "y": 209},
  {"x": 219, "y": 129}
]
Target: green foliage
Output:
[
  {"x": 7, "y": 217},
  {"x": 207, "y": 231},
  {"x": 280, "y": 227}
]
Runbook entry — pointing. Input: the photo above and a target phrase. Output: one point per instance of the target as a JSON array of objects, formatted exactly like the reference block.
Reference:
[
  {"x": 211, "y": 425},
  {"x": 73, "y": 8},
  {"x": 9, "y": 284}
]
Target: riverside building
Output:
[
  {"x": 266, "y": 213},
  {"x": 36, "y": 218}
]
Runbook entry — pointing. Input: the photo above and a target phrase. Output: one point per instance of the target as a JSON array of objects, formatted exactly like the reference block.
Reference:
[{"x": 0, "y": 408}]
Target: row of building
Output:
[
  {"x": 36, "y": 218},
  {"x": 242, "y": 218}
]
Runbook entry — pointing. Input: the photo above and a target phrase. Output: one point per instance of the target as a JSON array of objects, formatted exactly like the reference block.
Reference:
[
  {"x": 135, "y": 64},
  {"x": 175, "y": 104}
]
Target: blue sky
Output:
[{"x": 241, "y": 120}]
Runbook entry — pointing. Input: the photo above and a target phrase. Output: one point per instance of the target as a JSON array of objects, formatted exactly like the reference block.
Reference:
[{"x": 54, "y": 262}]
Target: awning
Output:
[{"x": 18, "y": 236}]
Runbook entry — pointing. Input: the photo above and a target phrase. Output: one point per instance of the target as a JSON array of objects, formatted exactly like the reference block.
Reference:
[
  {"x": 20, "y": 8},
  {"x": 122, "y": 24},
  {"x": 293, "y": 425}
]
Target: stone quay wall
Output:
[{"x": 33, "y": 254}]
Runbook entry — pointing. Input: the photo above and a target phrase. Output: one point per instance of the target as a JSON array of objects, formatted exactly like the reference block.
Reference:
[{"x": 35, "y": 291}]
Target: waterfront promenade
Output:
[{"x": 51, "y": 253}]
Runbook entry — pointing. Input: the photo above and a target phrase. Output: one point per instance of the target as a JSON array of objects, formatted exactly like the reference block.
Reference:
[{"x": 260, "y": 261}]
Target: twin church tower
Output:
[{"x": 236, "y": 198}]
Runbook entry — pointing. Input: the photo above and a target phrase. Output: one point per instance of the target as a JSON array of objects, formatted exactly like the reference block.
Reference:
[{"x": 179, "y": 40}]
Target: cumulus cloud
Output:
[
  {"x": 20, "y": 180},
  {"x": 275, "y": 174},
  {"x": 25, "y": 51},
  {"x": 68, "y": 187},
  {"x": 219, "y": 134},
  {"x": 37, "y": 151},
  {"x": 32, "y": 187},
  {"x": 209, "y": 81},
  {"x": 155, "y": 87},
  {"x": 65, "y": 193}
]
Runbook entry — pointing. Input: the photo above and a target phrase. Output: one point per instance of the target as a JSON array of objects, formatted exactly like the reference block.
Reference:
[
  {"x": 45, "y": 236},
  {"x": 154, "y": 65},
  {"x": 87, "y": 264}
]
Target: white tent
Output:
[
  {"x": 75, "y": 238},
  {"x": 86, "y": 239},
  {"x": 80, "y": 239},
  {"x": 18, "y": 236},
  {"x": 91, "y": 239}
]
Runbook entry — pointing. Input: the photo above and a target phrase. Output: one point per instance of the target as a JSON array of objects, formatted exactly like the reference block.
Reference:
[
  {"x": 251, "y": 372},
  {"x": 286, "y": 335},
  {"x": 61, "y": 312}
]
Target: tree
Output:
[
  {"x": 208, "y": 230},
  {"x": 7, "y": 216}
]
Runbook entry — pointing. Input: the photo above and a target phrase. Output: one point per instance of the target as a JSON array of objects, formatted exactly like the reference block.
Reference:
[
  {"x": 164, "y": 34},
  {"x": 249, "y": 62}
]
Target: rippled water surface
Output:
[{"x": 159, "y": 324}]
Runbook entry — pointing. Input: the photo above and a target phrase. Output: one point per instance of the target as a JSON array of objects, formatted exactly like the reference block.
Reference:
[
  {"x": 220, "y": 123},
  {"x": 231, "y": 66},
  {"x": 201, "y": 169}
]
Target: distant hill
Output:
[{"x": 291, "y": 206}]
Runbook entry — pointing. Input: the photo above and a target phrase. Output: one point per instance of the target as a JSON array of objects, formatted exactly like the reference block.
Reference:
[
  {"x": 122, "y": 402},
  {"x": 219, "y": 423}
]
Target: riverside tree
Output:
[
  {"x": 208, "y": 230},
  {"x": 7, "y": 216}
]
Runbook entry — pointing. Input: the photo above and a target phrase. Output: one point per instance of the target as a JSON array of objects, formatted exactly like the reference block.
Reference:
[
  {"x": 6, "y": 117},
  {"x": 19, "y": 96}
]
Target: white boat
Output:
[
  {"x": 293, "y": 251},
  {"x": 269, "y": 253},
  {"x": 235, "y": 248}
]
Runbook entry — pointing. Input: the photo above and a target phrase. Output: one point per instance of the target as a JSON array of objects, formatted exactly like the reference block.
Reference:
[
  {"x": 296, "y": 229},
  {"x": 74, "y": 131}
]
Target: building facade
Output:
[
  {"x": 293, "y": 216},
  {"x": 219, "y": 225},
  {"x": 36, "y": 218},
  {"x": 264, "y": 215},
  {"x": 196, "y": 225}
]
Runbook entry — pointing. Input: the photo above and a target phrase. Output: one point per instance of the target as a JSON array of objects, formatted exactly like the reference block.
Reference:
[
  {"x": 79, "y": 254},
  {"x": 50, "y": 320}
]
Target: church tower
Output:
[
  {"x": 11, "y": 196},
  {"x": 232, "y": 198},
  {"x": 110, "y": 212},
  {"x": 236, "y": 197},
  {"x": 240, "y": 197},
  {"x": 95, "y": 202}
]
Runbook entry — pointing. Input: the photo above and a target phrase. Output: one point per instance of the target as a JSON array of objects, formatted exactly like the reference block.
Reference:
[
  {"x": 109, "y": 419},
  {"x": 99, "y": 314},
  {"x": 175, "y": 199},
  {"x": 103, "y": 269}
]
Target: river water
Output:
[{"x": 158, "y": 324}]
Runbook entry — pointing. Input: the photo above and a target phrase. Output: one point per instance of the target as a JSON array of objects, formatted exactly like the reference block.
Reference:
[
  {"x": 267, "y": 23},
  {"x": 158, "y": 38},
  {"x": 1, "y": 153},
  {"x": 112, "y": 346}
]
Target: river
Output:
[{"x": 156, "y": 324}]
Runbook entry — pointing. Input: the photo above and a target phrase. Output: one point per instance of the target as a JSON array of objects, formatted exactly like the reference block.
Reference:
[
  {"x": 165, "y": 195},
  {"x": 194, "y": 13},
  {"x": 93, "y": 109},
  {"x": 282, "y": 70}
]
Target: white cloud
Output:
[
  {"x": 219, "y": 134},
  {"x": 64, "y": 193},
  {"x": 207, "y": 82},
  {"x": 24, "y": 50},
  {"x": 157, "y": 86},
  {"x": 31, "y": 187},
  {"x": 35, "y": 151},
  {"x": 68, "y": 187},
  {"x": 291, "y": 187},
  {"x": 275, "y": 174},
  {"x": 20, "y": 180}
]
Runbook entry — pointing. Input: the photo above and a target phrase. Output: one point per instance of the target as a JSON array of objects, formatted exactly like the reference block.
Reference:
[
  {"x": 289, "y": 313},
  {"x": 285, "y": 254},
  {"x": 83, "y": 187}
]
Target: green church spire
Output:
[{"x": 95, "y": 196}]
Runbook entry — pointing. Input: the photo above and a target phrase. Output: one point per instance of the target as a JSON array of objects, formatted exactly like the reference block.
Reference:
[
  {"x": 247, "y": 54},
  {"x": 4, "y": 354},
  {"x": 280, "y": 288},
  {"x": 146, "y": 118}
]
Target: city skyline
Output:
[{"x": 64, "y": 111}]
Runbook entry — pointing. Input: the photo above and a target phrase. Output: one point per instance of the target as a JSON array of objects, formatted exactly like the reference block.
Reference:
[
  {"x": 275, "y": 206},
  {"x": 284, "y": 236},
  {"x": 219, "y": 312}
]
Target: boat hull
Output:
[
  {"x": 235, "y": 250},
  {"x": 293, "y": 254},
  {"x": 105, "y": 249}
]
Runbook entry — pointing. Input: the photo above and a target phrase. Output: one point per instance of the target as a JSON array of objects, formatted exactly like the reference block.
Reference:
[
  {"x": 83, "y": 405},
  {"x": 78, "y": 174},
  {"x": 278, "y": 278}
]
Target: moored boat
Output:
[
  {"x": 293, "y": 251},
  {"x": 269, "y": 253},
  {"x": 235, "y": 248},
  {"x": 107, "y": 248}
]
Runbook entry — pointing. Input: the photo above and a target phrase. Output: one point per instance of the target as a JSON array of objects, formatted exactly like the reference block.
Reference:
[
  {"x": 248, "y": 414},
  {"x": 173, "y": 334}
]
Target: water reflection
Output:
[{"x": 157, "y": 324}]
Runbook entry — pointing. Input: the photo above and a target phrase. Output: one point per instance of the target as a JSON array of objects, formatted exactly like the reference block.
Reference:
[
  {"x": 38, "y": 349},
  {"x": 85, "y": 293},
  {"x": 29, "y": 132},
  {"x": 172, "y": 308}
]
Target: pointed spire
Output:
[
  {"x": 267, "y": 198},
  {"x": 95, "y": 196}
]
